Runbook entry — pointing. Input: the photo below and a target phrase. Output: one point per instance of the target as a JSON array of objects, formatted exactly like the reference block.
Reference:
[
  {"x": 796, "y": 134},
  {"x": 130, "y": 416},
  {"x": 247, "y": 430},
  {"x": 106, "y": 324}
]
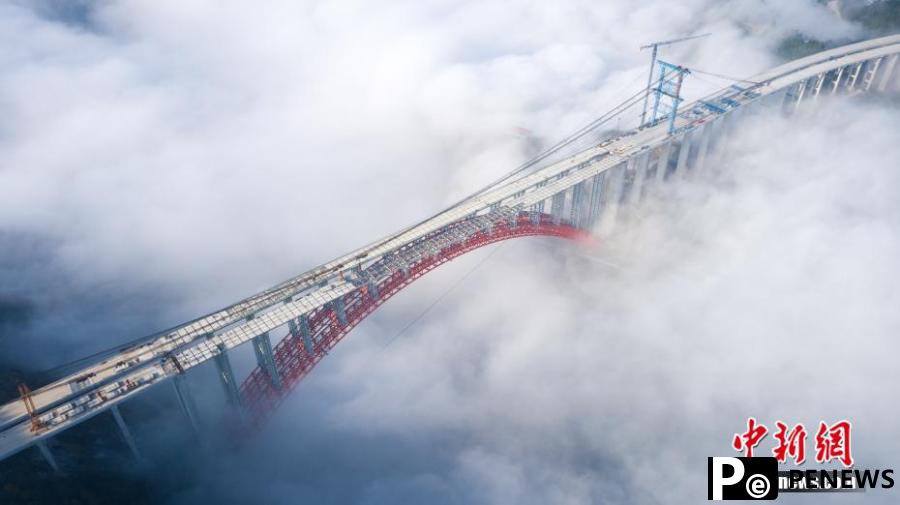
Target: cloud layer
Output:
[
  {"x": 158, "y": 160},
  {"x": 152, "y": 146},
  {"x": 563, "y": 376}
]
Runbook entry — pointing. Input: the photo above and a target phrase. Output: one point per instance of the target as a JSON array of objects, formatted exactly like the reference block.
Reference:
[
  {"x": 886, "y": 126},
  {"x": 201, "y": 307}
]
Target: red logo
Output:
[
  {"x": 832, "y": 441},
  {"x": 749, "y": 439},
  {"x": 790, "y": 443}
]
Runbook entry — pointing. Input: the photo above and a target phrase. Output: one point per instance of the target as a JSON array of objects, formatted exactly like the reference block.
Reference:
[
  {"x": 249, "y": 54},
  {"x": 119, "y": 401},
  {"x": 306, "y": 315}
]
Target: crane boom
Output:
[{"x": 672, "y": 41}]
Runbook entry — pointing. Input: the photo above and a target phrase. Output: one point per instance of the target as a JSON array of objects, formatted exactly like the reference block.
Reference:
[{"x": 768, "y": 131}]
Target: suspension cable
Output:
[
  {"x": 722, "y": 76},
  {"x": 555, "y": 148}
]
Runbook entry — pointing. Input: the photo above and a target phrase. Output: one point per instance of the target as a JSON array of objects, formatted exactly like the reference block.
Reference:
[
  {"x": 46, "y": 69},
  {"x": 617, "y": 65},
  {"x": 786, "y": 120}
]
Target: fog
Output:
[
  {"x": 158, "y": 160},
  {"x": 150, "y": 146}
]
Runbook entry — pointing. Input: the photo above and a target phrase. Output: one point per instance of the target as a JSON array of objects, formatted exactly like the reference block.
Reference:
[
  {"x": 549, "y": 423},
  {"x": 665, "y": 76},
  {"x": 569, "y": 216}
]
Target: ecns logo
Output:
[{"x": 743, "y": 478}]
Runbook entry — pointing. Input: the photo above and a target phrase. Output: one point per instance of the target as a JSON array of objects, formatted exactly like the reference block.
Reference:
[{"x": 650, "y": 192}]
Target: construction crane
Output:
[
  {"x": 655, "y": 47},
  {"x": 669, "y": 86}
]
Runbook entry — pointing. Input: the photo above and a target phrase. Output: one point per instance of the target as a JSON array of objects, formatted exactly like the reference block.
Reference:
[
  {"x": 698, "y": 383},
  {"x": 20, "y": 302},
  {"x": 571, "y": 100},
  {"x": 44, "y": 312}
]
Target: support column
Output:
[
  {"x": 801, "y": 92},
  {"x": 769, "y": 101},
  {"x": 851, "y": 82},
  {"x": 338, "y": 305},
  {"x": 887, "y": 73},
  {"x": 577, "y": 211},
  {"x": 226, "y": 375},
  {"x": 683, "y": 153},
  {"x": 624, "y": 189},
  {"x": 42, "y": 445},
  {"x": 187, "y": 403},
  {"x": 262, "y": 347},
  {"x": 302, "y": 329},
  {"x": 404, "y": 267},
  {"x": 556, "y": 206},
  {"x": 596, "y": 199},
  {"x": 726, "y": 130},
  {"x": 871, "y": 72},
  {"x": 612, "y": 196},
  {"x": 820, "y": 81},
  {"x": 837, "y": 80},
  {"x": 662, "y": 163},
  {"x": 640, "y": 173},
  {"x": 703, "y": 148},
  {"x": 126, "y": 433},
  {"x": 788, "y": 95},
  {"x": 372, "y": 288}
]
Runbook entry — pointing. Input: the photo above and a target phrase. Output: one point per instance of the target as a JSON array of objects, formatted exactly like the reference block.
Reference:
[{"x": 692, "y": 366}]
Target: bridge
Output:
[{"x": 313, "y": 311}]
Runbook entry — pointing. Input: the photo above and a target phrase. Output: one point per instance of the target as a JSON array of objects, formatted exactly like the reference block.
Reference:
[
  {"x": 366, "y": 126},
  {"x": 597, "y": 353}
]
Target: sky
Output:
[{"x": 161, "y": 159}]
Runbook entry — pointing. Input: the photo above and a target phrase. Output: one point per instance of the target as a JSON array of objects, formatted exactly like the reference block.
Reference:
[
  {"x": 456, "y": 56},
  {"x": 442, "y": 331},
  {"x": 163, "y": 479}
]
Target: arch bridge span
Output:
[
  {"x": 314, "y": 334},
  {"x": 318, "y": 307}
]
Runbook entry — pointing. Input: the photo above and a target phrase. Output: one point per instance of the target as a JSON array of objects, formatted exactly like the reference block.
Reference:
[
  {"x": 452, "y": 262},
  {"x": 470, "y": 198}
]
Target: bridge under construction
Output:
[{"x": 560, "y": 193}]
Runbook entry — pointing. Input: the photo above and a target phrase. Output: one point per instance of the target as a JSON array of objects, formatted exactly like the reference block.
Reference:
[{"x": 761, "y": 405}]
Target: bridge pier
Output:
[
  {"x": 817, "y": 87},
  {"x": 683, "y": 152},
  {"x": 628, "y": 175},
  {"x": 226, "y": 376},
  {"x": 45, "y": 451},
  {"x": 340, "y": 312},
  {"x": 770, "y": 101},
  {"x": 871, "y": 72},
  {"x": 487, "y": 228},
  {"x": 557, "y": 202},
  {"x": 186, "y": 402},
  {"x": 702, "y": 149},
  {"x": 836, "y": 82},
  {"x": 801, "y": 92},
  {"x": 126, "y": 433},
  {"x": 792, "y": 97},
  {"x": 597, "y": 188},
  {"x": 662, "y": 163},
  {"x": 262, "y": 347},
  {"x": 371, "y": 287},
  {"x": 512, "y": 221},
  {"x": 854, "y": 76},
  {"x": 888, "y": 72},
  {"x": 300, "y": 326},
  {"x": 726, "y": 130},
  {"x": 576, "y": 212},
  {"x": 612, "y": 196},
  {"x": 638, "y": 168}
]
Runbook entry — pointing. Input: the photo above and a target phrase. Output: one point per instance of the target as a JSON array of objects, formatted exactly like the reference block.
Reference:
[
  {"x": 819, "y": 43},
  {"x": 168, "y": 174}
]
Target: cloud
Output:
[
  {"x": 155, "y": 145},
  {"x": 765, "y": 289},
  {"x": 158, "y": 160}
]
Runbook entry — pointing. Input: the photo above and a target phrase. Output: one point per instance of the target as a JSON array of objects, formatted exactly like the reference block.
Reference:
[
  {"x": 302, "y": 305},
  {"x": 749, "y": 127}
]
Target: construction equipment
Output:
[
  {"x": 653, "y": 53},
  {"x": 25, "y": 393}
]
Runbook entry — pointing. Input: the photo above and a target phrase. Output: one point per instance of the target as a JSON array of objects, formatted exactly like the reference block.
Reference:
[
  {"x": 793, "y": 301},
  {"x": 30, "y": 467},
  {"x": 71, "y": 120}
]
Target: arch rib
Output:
[{"x": 292, "y": 359}]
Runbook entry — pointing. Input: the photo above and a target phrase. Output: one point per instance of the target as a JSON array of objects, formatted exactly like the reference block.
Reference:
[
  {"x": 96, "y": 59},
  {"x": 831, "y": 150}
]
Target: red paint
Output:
[{"x": 293, "y": 362}]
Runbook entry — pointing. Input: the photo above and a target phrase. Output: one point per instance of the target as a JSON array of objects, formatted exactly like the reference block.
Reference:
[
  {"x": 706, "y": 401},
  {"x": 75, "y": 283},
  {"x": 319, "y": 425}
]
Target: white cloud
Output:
[
  {"x": 766, "y": 292},
  {"x": 205, "y": 150}
]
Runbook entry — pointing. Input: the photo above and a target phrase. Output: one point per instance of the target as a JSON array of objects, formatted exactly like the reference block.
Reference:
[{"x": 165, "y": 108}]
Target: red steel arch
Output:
[{"x": 292, "y": 361}]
